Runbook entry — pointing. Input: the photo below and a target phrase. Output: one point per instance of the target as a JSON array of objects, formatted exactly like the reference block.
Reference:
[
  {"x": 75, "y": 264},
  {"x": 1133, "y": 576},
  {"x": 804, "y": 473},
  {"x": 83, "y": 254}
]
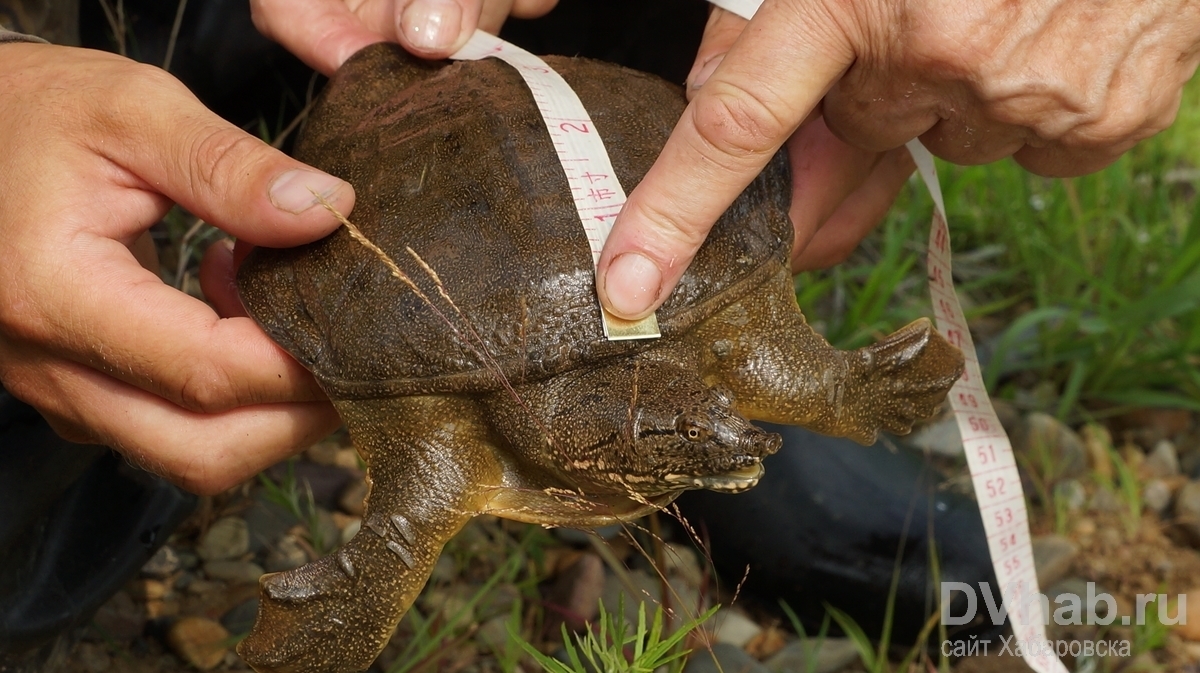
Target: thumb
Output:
[
  {"x": 721, "y": 31},
  {"x": 215, "y": 170},
  {"x": 773, "y": 77}
]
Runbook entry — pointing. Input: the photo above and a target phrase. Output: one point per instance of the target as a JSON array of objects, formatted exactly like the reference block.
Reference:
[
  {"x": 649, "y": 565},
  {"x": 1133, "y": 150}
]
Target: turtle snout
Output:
[{"x": 760, "y": 443}]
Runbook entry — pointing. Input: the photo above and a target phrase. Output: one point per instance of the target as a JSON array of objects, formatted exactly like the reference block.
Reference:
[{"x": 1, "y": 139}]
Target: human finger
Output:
[
  {"x": 825, "y": 171},
  {"x": 857, "y": 215},
  {"x": 218, "y": 280},
  {"x": 322, "y": 33},
  {"x": 720, "y": 32},
  {"x": 203, "y": 453},
  {"x": 750, "y": 105}
]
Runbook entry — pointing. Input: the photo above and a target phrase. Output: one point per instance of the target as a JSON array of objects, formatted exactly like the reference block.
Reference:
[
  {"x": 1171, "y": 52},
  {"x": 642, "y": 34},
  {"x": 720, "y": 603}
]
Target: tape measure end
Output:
[{"x": 617, "y": 329}]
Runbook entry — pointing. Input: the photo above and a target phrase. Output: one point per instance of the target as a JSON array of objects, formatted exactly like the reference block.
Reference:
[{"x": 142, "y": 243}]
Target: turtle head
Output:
[
  {"x": 694, "y": 437},
  {"x": 646, "y": 427}
]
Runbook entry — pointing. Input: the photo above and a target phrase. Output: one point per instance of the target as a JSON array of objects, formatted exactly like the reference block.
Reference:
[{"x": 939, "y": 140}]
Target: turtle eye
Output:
[{"x": 692, "y": 431}]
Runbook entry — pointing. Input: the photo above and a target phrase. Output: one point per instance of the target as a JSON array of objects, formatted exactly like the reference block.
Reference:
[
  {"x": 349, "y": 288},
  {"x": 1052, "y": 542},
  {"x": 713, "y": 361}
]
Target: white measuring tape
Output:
[
  {"x": 599, "y": 197},
  {"x": 594, "y": 186}
]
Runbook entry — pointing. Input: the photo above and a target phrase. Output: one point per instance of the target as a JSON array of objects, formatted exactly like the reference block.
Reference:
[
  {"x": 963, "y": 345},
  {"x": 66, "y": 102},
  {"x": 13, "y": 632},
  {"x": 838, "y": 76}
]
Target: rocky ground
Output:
[{"x": 1116, "y": 504}]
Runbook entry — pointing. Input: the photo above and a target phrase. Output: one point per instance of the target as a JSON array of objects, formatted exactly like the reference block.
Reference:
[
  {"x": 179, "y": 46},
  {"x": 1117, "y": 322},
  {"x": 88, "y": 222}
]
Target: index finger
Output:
[{"x": 776, "y": 73}]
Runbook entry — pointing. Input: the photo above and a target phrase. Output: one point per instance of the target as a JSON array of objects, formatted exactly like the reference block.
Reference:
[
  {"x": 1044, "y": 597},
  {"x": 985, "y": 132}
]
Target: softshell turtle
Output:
[{"x": 465, "y": 352}]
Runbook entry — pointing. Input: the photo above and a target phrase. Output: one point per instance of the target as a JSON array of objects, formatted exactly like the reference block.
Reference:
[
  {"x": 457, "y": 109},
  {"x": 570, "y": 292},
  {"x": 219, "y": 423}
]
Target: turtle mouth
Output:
[{"x": 736, "y": 481}]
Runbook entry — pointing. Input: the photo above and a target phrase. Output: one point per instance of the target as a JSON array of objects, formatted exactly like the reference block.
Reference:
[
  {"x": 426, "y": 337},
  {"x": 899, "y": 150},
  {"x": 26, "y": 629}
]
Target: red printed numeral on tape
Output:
[{"x": 597, "y": 193}]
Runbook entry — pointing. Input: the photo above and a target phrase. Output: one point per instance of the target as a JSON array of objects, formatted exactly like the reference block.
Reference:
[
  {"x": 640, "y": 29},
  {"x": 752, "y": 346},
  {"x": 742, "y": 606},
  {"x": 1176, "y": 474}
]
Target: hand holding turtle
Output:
[
  {"x": 95, "y": 149},
  {"x": 1064, "y": 87},
  {"x": 324, "y": 33}
]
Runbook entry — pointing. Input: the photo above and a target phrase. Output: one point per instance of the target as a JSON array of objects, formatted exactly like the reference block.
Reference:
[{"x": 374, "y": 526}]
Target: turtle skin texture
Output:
[{"x": 461, "y": 339}]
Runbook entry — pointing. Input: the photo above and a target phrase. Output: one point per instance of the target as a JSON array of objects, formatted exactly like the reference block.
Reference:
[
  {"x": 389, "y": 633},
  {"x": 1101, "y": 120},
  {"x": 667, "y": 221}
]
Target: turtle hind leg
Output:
[
  {"x": 901, "y": 379},
  {"x": 336, "y": 614},
  {"x": 782, "y": 371}
]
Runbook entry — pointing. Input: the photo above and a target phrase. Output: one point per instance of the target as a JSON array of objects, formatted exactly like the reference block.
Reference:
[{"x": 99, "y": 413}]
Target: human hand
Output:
[
  {"x": 324, "y": 33},
  {"x": 1064, "y": 87},
  {"x": 95, "y": 149}
]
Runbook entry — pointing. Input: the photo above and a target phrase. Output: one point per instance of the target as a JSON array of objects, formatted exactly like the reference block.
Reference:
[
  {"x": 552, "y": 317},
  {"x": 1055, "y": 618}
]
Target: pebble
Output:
[
  {"x": 834, "y": 654},
  {"x": 148, "y": 590},
  {"x": 648, "y": 589},
  {"x": 1156, "y": 495},
  {"x": 350, "y": 530},
  {"x": 1044, "y": 433},
  {"x": 1104, "y": 500},
  {"x": 227, "y": 538},
  {"x": 734, "y": 628},
  {"x": 240, "y": 618},
  {"x": 682, "y": 563},
  {"x": 1162, "y": 461},
  {"x": 1084, "y": 527},
  {"x": 237, "y": 572},
  {"x": 199, "y": 641},
  {"x": 267, "y": 521},
  {"x": 93, "y": 657},
  {"x": 324, "y": 452},
  {"x": 202, "y": 587},
  {"x": 1187, "y": 511},
  {"x": 348, "y": 458},
  {"x": 328, "y": 533},
  {"x": 940, "y": 438},
  {"x": 1052, "y": 558},
  {"x": 121, "y": 617},
  {"x": 493, "y": 634},
  {"x": 577, "y": 591},
  {"x": 163, "y": 564},
  {"x": 352, "y": 499},
  {"x": 724, "y": 658},
  {"x": 1191, "y": 629},
  {"x": 1071, "y": 493},
  {"x": 286, "y": 554}
]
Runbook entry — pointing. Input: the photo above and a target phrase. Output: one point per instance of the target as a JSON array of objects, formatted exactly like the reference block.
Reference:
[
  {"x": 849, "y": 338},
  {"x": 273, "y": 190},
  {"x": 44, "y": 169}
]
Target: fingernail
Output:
[
  {"x": 294, "y": 190},
  {"x": 706, "y": 71},
  {"x": 432, "y": 24},
  {"x": 632, "y": 284}
]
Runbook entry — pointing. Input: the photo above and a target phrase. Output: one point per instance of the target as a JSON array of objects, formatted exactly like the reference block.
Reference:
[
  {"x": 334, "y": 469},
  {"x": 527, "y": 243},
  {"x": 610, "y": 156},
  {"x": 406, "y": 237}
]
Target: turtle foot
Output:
[
  {"x": 303, "y": 623},
  {"x": 904, "y": 378}
]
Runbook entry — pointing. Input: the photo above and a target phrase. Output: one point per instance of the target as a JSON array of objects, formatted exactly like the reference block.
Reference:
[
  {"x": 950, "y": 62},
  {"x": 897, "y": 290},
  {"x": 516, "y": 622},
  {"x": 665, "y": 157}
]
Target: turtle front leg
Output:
[
  {"x": 336, "y": 614},
  {"x": 782, "y": 371}
]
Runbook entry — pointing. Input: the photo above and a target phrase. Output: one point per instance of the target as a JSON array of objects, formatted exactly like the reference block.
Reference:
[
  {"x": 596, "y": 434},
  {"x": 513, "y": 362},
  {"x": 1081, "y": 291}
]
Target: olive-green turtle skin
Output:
[{"x": 471, "y": 367}]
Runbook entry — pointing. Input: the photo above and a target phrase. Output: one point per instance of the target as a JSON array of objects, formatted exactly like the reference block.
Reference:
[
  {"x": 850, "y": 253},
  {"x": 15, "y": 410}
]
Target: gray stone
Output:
[
  {"x": 286, "y": 554},
  {"x": 1077, "y": 587},
  {"x": 647, "y": 589},
  {"x": 1104, "y": 500},
  {"x": 1047, "y": 441},
  {"x": 724, "y": 658},
  {"x": 493, "y": 634},
  {"x": 163, "y": 564},
  {"x": 940, "y": 438},
  {"x": 1162, "y": 461},
  {"x": 241, "y": 617},
  {"x": 732, "y": 627},
  {"x": 227, "y": 538},
  {"x": 576, "y": 592},
  {"x": 236, "y": 572},
  {"x": 1156, "y": 495},
  {"x": 1052, "y": 558},
  {"x": 833, "y": 654},
  {"x": 1071, "y": 493},
  {"x": 267, "y": 521}
]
